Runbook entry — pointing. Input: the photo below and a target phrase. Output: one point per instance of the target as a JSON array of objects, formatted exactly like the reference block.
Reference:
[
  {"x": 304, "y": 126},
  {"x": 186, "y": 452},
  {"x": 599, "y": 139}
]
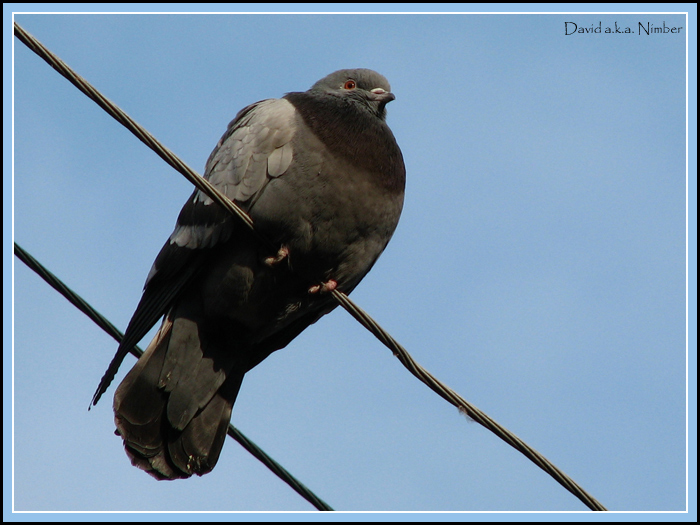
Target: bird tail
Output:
[{"x": 174, "y": 406}]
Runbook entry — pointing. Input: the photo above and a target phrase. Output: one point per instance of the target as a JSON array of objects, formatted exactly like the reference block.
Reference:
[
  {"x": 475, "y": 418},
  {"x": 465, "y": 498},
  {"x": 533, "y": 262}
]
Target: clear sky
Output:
[{"x": 539, "y": 267}]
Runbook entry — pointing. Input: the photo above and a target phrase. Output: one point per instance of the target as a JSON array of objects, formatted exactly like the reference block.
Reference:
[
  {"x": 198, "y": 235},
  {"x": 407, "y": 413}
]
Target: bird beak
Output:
[{"x": 380, "y": 95}]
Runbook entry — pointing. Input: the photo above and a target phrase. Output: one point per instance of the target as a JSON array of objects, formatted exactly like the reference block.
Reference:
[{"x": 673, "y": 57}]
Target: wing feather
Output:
[{"x": 239, "y": 166}]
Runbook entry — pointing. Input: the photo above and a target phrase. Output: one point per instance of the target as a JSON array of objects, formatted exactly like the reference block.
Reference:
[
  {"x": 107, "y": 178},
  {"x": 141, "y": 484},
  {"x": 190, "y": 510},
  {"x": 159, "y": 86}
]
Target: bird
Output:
[{"x": 322, "y": 177}]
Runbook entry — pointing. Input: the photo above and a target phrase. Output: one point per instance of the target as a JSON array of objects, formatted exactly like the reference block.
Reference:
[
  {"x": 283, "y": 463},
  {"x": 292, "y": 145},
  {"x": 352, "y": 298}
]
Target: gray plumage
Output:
[{"x": 322, "y": 177}]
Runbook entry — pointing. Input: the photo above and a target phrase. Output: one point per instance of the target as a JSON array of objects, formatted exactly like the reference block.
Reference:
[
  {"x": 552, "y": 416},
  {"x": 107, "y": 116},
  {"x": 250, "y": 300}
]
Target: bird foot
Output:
[
  {"x": 326, "y": 287},
  {"x": 282, "y": 254}
]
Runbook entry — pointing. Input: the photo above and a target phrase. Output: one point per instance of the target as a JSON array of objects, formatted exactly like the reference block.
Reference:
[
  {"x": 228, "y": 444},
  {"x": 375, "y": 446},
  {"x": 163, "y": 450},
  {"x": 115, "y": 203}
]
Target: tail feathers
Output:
[
  {"x": 197, "y": 448},
  {"x": 167, "y": 442},
  {"x": 138, "y": 402},
  {"x": 194, "y": 371}
]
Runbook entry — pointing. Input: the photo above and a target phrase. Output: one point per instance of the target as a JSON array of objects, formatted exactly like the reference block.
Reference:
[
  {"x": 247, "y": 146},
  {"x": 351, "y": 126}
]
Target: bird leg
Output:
[
  {"x": 282, "y": 254},
  {"x": 328, "y": 286}
]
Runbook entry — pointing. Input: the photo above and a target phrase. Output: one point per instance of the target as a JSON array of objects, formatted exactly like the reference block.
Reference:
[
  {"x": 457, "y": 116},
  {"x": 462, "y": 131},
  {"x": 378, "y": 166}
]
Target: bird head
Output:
[{"x": 363, "y": 87}]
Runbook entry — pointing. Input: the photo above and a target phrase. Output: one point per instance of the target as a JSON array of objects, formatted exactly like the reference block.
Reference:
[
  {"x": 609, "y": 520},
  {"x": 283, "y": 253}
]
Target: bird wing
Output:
[{"x": 256, "y": 147}]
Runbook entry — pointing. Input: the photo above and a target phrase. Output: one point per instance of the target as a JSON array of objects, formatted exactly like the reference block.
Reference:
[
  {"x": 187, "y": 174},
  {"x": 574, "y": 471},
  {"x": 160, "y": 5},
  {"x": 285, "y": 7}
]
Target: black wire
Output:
[{"x": 112, "y": 330}]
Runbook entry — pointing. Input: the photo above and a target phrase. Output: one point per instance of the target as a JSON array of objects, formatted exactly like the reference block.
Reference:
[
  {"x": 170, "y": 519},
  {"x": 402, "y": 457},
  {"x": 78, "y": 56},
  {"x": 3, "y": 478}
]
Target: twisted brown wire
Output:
[{"x": 360, "y": 315}]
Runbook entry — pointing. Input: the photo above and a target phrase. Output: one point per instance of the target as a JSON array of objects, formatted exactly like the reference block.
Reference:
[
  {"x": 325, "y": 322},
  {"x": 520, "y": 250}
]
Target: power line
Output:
[
  {"x": 360, "y": 315},
  {"x": 112, "y": 330}
]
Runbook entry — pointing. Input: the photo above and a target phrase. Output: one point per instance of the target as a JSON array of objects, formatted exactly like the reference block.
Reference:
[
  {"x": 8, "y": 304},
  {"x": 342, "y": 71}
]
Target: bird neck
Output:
[{"x": 355, "y": 133}]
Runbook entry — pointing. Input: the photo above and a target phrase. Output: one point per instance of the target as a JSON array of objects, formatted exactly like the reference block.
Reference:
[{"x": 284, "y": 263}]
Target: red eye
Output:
[{"x": 349, "y": 84}]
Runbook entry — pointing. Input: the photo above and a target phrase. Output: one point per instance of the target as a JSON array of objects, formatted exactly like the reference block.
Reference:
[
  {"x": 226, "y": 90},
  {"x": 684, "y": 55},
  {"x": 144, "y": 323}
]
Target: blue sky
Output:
[{"x": 539, "y": 267}]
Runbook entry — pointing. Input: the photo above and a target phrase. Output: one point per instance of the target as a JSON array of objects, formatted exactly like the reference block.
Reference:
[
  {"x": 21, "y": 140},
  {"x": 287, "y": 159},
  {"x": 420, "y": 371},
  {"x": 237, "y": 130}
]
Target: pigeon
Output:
[{"x": 322, "y": 177}]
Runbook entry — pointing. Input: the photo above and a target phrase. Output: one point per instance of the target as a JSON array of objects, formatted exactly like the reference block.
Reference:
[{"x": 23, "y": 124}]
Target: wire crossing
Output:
[
  {"x": 113, "y": 331},
  {"x": 360, "y": 315}
]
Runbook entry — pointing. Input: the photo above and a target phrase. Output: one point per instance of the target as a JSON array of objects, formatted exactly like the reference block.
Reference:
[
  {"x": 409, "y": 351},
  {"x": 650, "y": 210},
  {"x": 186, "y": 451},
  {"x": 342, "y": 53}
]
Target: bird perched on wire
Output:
[{"x": 323, "y": 178}]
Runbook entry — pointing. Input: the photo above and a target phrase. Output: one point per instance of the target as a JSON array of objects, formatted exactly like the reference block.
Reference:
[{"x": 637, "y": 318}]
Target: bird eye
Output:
[{"x": 349, "y": 84}]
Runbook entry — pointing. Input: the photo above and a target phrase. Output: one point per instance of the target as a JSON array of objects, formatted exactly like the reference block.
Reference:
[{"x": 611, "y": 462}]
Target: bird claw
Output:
[
  {"x": 326, "y": 287},
  {"x": 282, "y": 254}
]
